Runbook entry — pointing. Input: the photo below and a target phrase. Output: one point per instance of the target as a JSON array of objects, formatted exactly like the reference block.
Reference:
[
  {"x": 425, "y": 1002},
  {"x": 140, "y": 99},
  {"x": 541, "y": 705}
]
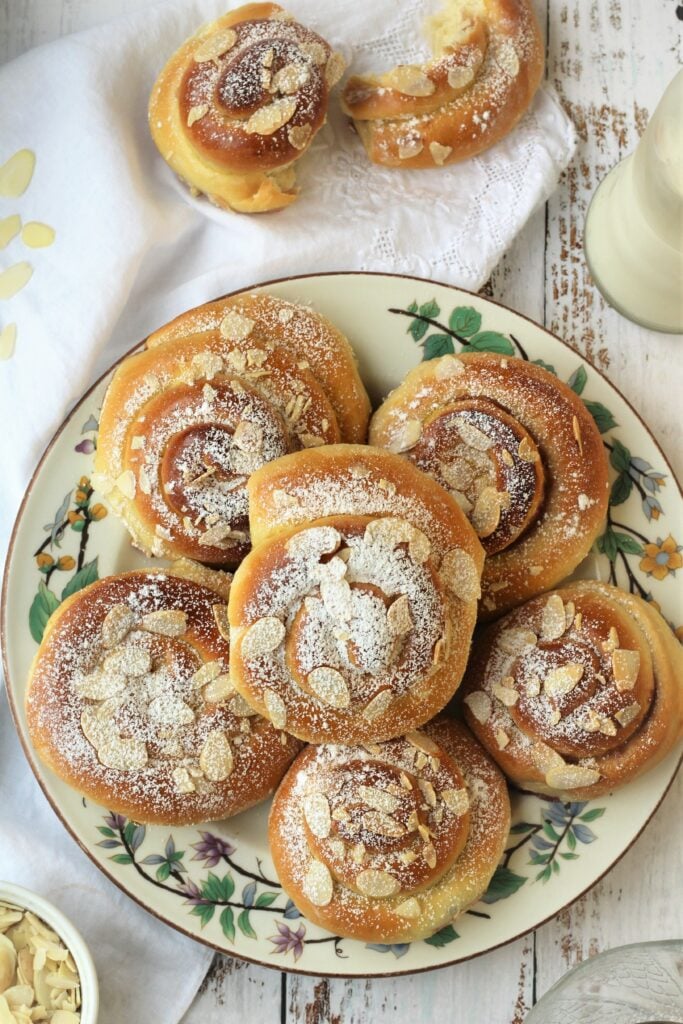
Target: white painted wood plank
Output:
[
  {"x": 610, "y": 62},
  {"x": 237, "y": 991}
]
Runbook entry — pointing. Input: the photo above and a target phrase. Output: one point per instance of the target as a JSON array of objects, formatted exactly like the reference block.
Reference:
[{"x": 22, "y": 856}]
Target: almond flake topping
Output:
[
  {"x": 248, "y": 436},
  {"x": 459, "y": 572},
  {"x": 410, "y": 80},
  {"x": 409, "y": 147},
  {"x": 382, "y": 824},
  {"x": 612, "y": 641},
  {"x": 317, "y": 814},
  {"x": 116, "y": 625},
  {"x": 314, "y": 51},
  {"x": 554, "y": 621},
  {"x": 379, "y": 884},
  {"x": 220, "y": 614},
  {"x": 480, "y": 705},
  {"x": 422, "y": 742},
  {"x": 165, "y": 622},
  {"x": 627, "y": 715},
  {"x": 182, "y": 781},
  {"x": 625, "y": 666},
  {"x": 399, "y": 619},
  {"x": 460, "y": 77},
  {"x": 335, "y": 69},
  {"x": 576, "y": 429},
  {"x": 502, "y": 739},
  {"x": 100, "y": 685},
  {"x": 197, "y": 113},
  {"x": 406, "y": 436},
  {"x": 427, "y": 791},
  {"x": 235, "y": 327},
  {"x": 218, "y": 689},
  {"x": 267, "y": 120},
  {"x": 429, "y": 854},
  {"x": 472, "y": 436},
  {"x": 318, "y": 885},
  {"x": 378, "y": 799},
  {"x": 562, "y": 680},
  {"x": 131, "y": 661},
  {"x": 329, "y": 685},
  {"x": 299, "y": 137},
  {"x": 505, "y": 694},
  {"x": 215, "y": 46},
  {"x": 410, "y": 908},
  {"x": 276, "y": 708},
  {"x": 205, "y": 673},
  {"x": 378, "y": 705},
  {"x": 126, "y": 483},
  {"x": 527, "y": 450},
  {"x": 571, "y": 776},
  {"x": 515, "y": 641},
  {"x": 290, "y": 78},
  {"x": 262, "y": 637},
  {"x": 456, "y": 800},
  {"x": 607, "y": 727}
]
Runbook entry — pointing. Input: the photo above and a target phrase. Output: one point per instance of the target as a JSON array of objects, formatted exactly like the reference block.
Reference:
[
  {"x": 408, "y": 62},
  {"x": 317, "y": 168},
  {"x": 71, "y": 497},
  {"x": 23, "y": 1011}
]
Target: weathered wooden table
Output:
[{"x": 610, "y": 61}]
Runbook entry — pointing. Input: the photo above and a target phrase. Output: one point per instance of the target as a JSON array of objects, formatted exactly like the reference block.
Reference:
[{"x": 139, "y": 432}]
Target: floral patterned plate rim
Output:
[{"x": 215, "y": 883}]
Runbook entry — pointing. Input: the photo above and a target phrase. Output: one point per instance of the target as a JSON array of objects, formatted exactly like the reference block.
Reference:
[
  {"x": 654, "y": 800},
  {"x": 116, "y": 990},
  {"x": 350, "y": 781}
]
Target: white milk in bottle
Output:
[{"x": 634, "y": 229}]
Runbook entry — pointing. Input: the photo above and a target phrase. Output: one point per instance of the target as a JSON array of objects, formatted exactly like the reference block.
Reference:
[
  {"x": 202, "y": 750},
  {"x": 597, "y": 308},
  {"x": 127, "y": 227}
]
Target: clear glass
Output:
[{"x": 639, "y": 984}]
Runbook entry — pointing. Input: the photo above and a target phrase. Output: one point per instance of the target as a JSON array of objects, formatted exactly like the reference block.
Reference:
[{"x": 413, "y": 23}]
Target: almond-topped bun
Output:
[
  {"x": 521, "y": 455},
  {"x": 129, "y": 701},
  {"x": 487, "y": 65},
  {"x": 389, "y": 842},
  {"x": 219, "y": 391},
  {"x": 352, "y": 617},
  {"x": 240, "y": 102},
  {"x": 577, "y": 692}
]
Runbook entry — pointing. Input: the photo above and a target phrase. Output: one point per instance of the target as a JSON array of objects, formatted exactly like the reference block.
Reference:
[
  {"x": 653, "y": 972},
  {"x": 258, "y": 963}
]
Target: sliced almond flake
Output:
[
  {"x": 378, "y": 705},
  {"x": 571, "y": 776},
  {"x": 382, "y": 824},
  {"x": 591, "y": 721},
  {"x": 182, "y": 781},
  {"x": 458, "y": 474},
  {"x": 290, "y": 78},
  {"x": 215, "y": 46},
  {"x": 502, "y": 739},
  {"x": 358, "y": 853},
  {"x": 337, "y": 848},
  {"x": 486, "y": 512},
  {"x": 555, "y": 717},
  {"x": 612, "y": 641},
  {"x": 409, "y": 147},
  {"x": 340, "y": 814},
  {"x": 335, "y": 69},
  {"x": 126, "y": 755},
  {"x": 166, "y": 622},
  {"x": 533, "y": 687},
  {"x": 299, "y": 136},
  {"x": 410, "y": 80},
  {"x": 262, "y": 637},
  {"x": 507, "y": 458},
  {"x": 216, "y": 536},
  {"x": 329, "y": 686},
  {"x": 216, "y": 759},
  {"x": 318, "y": 885},
  {"x": 505, "y": 694},
  {"x": 527, "y": 450},
  {"x": 535, "y": 570},
  {"x": 472, "y": 436},
  {"x": 197, "y": 113},
  {"x": 126, "y": 483},
  {"x": 240, "y": 708},
  {"x": 100, "y": 685},
  {"x": 316, "y": 808},
  {"x": 377, "y": 884},
  {"x": 626, "y": 715},
  {"x": 276, "y": 708},
  {"x": 562, "y": 680},
  {"x": 422, "y": 742},
  {"x": 428, "y": 791},
  {"x": 569, "y": 613},
  {"x": 625, "y": 666},
  {"x": 235, "y": 327},
  {"x": 399, "y": 619},
  {"x": 218, "y": 689},
  {"x": 607, "y": 727},
  {"x": 480, "y": 705},
  {"x": 206, "y": 673},
  {"x": 459, "y": 572},
  {"x": 576, "y": 430},
  {"x": 406, "y": 436},
  {"x": 516, "y": 641},
  {"x": 448, "y": 366},
  {"x": 410, "y": 908},
  {"x": 116, "y": 625},
  {"x": 269, "y": 119},
  {"x": 129, "y": 660},
  {"x": 169, "y": 710},
  {"x": 378, "y": 799},
  {"x": 220, "y": 614},
  {"x": 282, "y": 499},
  {"x": 313, "y": 542},
  {"x": 456, "y": 800},
  {"x": 554, "y": 621},
  {"x": 421, "y": 760},
  {"x": 429, "y": 854},
  {"x": 460, "y": 77},
  {"x": 578, "y": 620},
  {"x": 439, "y": 653}
]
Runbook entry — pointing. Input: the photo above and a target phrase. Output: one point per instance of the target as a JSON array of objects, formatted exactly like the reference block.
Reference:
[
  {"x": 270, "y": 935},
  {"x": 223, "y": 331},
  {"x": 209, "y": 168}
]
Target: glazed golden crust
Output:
[
  {"x": 390, "y": 842},
  {"x": 520, "y": 453},
  {"x": 116, "y": 708},
  {"x": 219, "y": 391},
  {"x": 240, "y": 102},
  {"x": 487, "y": 65},
  {"x": 351, "y": 618},
  {"x": 577, "y": 692}
]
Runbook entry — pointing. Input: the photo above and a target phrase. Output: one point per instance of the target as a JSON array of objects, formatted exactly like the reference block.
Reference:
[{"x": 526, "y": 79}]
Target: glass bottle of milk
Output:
[{"x": 633, "y": 235}]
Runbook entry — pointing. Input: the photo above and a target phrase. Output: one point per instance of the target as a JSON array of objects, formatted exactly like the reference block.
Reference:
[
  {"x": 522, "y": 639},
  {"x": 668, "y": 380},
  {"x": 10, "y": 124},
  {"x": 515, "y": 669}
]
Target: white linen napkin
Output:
[{"x": 131, "y": 250}]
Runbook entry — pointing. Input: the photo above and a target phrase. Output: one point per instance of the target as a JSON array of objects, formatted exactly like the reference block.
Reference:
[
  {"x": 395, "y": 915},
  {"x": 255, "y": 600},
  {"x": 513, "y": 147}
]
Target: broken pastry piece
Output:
[
  {"x": 486, "y": 67},
  {"x": 238, "y": 104}
]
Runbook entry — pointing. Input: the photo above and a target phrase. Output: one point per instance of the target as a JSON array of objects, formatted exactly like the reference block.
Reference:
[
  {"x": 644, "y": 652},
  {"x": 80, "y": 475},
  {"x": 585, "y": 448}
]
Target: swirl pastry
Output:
[
  {"x": 389, "y": 842},
  {"x": 521, "y": 455},
  {"x": 129, "y": 701},
  {"x": 219, "y": 391},
  {"x": 486, "y": 68},
  {"x": 577, "y": 692},
  {"x": 239, "y": 103},
  {"x": 351, "y": 618}
]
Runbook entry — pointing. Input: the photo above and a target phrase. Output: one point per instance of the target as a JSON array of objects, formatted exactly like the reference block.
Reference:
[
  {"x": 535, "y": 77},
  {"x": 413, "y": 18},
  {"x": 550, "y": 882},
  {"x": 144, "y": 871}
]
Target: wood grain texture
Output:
[{"x": 610, "y": 61}]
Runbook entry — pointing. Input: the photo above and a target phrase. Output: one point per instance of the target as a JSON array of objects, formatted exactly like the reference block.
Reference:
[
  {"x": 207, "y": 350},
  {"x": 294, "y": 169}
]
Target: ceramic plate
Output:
[{"x": 216, "y": 883}]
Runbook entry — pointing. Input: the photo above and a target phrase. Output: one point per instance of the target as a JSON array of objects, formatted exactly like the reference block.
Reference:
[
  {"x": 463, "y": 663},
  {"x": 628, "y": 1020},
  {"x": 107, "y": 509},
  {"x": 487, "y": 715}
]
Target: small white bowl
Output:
[{"x": 55, "y": 919}]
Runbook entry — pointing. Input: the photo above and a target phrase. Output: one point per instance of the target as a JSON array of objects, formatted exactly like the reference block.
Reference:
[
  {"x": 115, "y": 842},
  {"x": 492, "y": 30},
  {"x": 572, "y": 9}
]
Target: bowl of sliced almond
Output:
[{"x": 46, "y": 971}]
